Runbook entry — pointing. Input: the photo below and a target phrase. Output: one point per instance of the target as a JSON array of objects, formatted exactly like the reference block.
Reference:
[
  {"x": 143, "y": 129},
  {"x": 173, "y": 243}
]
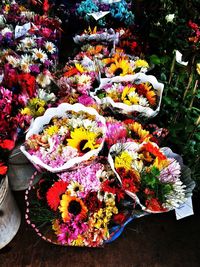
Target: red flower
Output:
[
  {"x": 154, "y": 205},
  {"x": 128, "y": 121},
  {"x": 129, "y": 185},
  {"x": 45, "y": 6},
  {"x": 128, "y": 174},
  {"x": 92, "y": 202},
  {"x": 119, "y": 218},
  {"x": 147, "y": 191},
  {"x": 27, "y": 83},
  {"x": 54, "y": 193},
  {"x": 3, "y": 169},
  {"x": 7, "y": 144},
  {"x": 109, "y": 186}
]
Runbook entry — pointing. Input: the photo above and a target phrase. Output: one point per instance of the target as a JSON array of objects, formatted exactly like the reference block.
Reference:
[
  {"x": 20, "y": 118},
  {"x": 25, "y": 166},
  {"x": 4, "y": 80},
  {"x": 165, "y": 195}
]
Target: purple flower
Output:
[{"x": 34, "y": 69}]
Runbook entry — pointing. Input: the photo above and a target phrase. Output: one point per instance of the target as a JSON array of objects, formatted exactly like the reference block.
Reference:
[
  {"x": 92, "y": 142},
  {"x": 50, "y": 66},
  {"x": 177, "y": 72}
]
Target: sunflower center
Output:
[
  {"x": 74, "y": 207},
  {"x": 81, "y": 146},
  {"x": 118, "y": 71},
  {"x": 76, "y": 188}
]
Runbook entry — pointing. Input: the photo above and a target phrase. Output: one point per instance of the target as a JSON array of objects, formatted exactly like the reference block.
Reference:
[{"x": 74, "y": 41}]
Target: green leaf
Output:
[{"x": 155, "y": 59}]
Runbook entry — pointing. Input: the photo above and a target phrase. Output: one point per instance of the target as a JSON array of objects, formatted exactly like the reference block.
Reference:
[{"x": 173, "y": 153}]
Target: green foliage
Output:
[{"x": 180, "y": 109}]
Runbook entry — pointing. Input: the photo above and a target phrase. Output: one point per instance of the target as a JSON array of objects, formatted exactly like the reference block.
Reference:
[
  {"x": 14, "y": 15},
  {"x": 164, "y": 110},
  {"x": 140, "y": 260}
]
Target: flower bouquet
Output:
[
  {"x": 152, "y": 176},
  {"x": 132, "y": 131},
  {"x": 119, "y": 63},
  {"x": 65, "y": 136},
  {"x": 105, "y": 12},
  {"x": 79, "y": 77},
  {"x": 131, "y": 93},
  {"x": 84, "y": 207}
]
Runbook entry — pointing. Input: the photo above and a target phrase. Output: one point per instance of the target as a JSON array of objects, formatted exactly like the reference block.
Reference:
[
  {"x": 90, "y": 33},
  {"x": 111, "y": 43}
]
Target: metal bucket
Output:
[
  {"x": 10, "y": 217},
  {"x": 20, "y": 170}
]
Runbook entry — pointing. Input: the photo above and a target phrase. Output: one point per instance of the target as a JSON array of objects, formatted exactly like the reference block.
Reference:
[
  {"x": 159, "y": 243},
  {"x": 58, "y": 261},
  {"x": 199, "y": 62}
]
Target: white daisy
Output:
[
  {"x": 143, "y": 101},
  {"x": 20, "y": 47},
  {"x": 39, "y": 54},
  {"x": 13, "y": 61},
  {"x": 28, "y": 42},
  {"x": 43, "y": 79},
  {"x": 50, "y": 47},
  {"x": 25, "y": 63}
]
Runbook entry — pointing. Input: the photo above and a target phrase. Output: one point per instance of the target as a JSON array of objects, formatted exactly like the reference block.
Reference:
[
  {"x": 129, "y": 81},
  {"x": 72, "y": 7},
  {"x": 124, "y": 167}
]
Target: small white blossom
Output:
[{"x": 170, "y": 17}]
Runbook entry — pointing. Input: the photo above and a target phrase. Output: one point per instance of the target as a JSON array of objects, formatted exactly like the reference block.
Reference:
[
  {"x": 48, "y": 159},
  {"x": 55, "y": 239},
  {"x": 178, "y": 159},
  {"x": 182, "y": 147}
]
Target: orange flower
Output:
[{"x": 154, "y": 150}]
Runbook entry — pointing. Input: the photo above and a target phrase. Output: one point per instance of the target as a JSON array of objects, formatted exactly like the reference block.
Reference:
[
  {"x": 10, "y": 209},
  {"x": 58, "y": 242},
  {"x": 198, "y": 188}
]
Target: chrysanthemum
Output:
[
  {"x": 120, "y": 68},
  {"x": 54, "y": 193},
  {"x": 50, "y": 47},
  {"x": 43, "y": 79},
  {"x": 39, "y": 54},
  {"x": 176, "y": 197},
  {"x": 83, "y": 140},
  {"x": 71, "y": 206},
  {"x": 171, "y": 173}
]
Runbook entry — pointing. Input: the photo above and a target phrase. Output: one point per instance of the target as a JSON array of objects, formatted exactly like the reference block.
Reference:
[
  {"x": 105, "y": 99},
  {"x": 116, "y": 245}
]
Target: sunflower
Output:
[
  {"x": 123, "y": 160},
  {"x": 83, "y": 140},
  {"x": 137, "y": 132},
  {"x": 71, "y": 206},
  {"x": 145, "y": 89},
  {"x": 120, "y": 68},
  {"x": 54, "y": 193}
]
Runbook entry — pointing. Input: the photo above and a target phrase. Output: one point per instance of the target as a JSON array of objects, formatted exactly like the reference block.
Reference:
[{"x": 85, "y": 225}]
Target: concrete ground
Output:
[{"x": 151, "y": 241}]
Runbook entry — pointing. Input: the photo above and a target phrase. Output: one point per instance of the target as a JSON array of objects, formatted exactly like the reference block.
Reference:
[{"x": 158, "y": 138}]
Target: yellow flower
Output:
[
  {"x": 26, "y": 111},
  {"x": 198, "y": 68},
  {"x": 160, "y": 164},
  {"x": 139, "y": 131},
  {"x": 83, "y": 140},
  {"x": 51, "y": 130},
  {"x": 124, "y": 160},
  {"x": 79, "y": 67},
  {"x": 78, "y": 242},
  {"x": 120, "y": 67},
  {"x": 56, "y": 226},
  {"x": 140, "y": 63}
]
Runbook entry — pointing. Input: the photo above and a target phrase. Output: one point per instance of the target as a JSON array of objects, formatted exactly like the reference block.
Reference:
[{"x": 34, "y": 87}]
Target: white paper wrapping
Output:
[
  {"x": 108, "y": 36},
  {"x": 126, "y": 109},
  {"x": 60, "y": 111}
]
